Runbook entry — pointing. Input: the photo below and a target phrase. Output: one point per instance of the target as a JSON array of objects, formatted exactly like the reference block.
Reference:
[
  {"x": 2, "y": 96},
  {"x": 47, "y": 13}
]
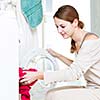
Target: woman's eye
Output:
[
  {"x": 62, "y": 26},
  {"x": 56, "y": 26}
]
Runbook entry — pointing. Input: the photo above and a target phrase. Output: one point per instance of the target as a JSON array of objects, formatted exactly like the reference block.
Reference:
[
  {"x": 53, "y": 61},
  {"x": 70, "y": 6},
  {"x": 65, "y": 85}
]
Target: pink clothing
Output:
[{"x": 24, "y": 89}]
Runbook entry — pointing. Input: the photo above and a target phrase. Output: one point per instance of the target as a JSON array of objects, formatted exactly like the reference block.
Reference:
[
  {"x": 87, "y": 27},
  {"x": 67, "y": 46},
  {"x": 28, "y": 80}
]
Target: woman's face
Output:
[{"x": 65, "y": 28}]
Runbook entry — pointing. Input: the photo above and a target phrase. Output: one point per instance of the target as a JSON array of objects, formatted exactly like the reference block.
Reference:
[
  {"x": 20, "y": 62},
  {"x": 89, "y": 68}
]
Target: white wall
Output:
[{"x": 8, "y": 56}]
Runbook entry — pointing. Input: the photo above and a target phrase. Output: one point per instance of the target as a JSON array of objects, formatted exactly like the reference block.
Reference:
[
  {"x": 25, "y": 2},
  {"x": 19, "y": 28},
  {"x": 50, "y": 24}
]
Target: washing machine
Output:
[{"x": 41, "y": 60}]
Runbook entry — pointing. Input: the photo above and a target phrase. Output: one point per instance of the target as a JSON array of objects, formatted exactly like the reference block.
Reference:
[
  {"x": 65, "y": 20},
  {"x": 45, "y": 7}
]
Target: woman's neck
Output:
[{"x": 78, "y": 36}]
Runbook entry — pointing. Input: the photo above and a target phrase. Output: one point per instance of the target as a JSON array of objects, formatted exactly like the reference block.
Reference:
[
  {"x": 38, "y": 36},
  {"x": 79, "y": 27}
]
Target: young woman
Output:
[{"x": 86, "y": 45}]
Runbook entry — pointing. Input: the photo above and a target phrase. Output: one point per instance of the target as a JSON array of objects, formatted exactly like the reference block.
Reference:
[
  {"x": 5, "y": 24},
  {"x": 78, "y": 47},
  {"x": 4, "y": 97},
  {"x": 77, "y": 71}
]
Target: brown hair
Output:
[{"x": 69, "y": 13}]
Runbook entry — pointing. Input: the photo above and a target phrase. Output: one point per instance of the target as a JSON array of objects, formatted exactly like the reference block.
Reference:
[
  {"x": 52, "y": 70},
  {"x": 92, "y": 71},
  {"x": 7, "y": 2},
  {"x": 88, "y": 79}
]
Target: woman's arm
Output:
[
  {"x": 29, "y": 77},
  {"x": 60, "y": 57}
]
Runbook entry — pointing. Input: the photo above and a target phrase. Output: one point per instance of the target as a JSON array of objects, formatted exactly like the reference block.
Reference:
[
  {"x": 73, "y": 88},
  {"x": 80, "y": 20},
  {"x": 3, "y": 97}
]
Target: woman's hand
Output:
[
  {"x": 28, "y": 78},
  {"x": 64, "y": 59},
  {"x": 52, "y": 52}
]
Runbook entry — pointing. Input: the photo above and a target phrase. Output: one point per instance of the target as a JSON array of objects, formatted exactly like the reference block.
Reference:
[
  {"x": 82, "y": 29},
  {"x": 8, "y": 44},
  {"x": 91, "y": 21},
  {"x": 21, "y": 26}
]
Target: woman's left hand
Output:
[{"x": 28, "y": 78}]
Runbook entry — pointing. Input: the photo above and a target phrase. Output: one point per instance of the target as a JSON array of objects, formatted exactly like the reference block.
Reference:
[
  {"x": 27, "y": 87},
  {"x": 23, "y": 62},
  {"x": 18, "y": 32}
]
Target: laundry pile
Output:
[{"x": 24, "y": 89}]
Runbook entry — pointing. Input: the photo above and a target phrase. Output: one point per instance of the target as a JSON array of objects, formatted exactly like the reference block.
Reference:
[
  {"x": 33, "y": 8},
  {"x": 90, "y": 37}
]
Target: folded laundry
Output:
[
  {"x": 24, "y": 89},
  {"x": 33, "y": 12}
]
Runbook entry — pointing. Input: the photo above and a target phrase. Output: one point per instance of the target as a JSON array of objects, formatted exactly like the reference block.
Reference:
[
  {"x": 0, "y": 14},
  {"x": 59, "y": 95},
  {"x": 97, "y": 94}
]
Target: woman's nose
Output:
[{"x": 59, "y": 30}]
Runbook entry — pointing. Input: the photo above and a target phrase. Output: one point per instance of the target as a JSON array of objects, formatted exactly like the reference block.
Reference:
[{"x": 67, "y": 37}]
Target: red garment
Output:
[{"x": 24, "y": 89}]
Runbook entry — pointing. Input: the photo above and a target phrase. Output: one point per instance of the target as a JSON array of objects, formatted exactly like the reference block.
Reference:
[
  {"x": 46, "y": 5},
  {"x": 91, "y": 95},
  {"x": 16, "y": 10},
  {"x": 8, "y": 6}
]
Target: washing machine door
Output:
[{"x": 41, "y": 60}]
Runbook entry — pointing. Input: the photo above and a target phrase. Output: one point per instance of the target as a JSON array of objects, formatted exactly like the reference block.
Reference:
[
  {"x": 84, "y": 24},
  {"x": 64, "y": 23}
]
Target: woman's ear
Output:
[{"x": 75, "y": 22}]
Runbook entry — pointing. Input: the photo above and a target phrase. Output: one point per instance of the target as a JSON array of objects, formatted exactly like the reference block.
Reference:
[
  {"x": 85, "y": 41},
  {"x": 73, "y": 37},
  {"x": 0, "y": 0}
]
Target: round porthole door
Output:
[{"x": 41, "y": 60}]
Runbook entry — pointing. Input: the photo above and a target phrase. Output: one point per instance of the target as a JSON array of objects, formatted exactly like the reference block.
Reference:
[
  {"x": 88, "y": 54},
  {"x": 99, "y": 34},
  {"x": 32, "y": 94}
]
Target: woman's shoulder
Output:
[
  {"x": 91, "y": 36},
  {"x": 91, "y": 42},
  {"x": 90, "y": 46}
]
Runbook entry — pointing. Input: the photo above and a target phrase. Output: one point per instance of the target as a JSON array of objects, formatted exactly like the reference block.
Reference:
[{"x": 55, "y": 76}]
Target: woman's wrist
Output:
[{"x": 40, "y": 75}]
